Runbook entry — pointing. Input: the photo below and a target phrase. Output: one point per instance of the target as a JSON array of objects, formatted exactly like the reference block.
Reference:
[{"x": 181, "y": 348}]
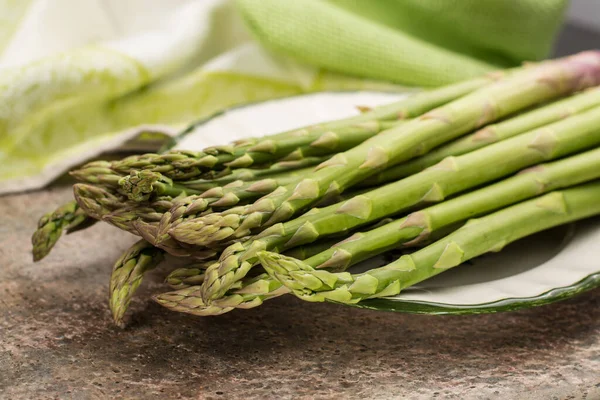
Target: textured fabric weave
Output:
[{"x": 416, "y": 42}]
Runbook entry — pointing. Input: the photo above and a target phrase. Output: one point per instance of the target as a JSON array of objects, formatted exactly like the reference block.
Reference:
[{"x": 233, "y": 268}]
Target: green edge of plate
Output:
[
  {"x": 430, "y": 308},
  {"x": 509, "y": 304}
]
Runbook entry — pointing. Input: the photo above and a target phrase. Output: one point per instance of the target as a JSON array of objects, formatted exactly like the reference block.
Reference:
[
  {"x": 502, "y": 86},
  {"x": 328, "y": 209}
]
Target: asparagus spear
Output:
[
  {"x": 68, "y": 217},
  {"x": 304, "y": 142},
  {"x": 96, "y": 201},
  {"x": 420, "y": 225},
  {"x": 194, "y": 274},
  {"x": 453, "y": 175},
  {"x": 148, "y": 231},
  {"x": 185, "y": 277},
  {"x": 249, "y": 293},
  {"x": 228, "y": 175},
  {"x": 183, "y": 165},
  {"x": 492, "y": 134},
  {"x": 220, "y": 198},
  {"x": 97, "y": 173},
  {"x": 102, "y": 173},
  {"x": 99, "y": 203},
  {"x": 127, "y": 275},
  {"x": 523, "y": 89},
  {"x": 141, "y": 185},
  {"x": 479, "y": 236},
  {"x": 254, "y": 151}
]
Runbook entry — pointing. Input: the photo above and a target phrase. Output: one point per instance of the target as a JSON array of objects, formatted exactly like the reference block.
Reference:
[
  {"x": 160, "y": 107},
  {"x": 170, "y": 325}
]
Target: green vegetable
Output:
[
  {"x": 479, "y": 236},
  {"x": 491, "y": 134},
  {"x": 68, "y": 217},
  {"x": 418, "y": 226},
  {"x": 523, "y": 89},
  {"x": 127, "y": 275},
  {"x": 327, "y": 137},
  {"x": 448, "y": 177}
]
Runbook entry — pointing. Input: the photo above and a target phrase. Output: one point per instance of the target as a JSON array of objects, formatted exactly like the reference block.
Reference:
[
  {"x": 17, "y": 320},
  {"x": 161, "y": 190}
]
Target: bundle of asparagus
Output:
[{"x": 291, "y": 212}]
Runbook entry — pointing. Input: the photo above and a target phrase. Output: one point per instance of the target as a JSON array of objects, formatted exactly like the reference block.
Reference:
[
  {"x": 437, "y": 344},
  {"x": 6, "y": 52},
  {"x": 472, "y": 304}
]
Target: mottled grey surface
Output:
[{"x": 57, "y": 339}]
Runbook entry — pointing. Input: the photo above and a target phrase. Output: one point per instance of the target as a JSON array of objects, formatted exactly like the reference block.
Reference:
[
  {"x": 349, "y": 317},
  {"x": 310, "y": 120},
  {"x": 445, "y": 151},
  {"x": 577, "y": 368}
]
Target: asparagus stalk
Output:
[
  {"x": 99, "y": 203},
  {"x": 186, "y": 276},
  {"x": 249, "y": 293},
  {"x": 68, "y": 217},
  {"x": 479, "y": 236},
  {"x": 304, "y": 142},
  {"x": 253, "y": 151},
  {"x": 102, "y": 173},
  {"x": 141, "y": 185},
  {"x": 228, "y": 175},
  {"x": 148, "y": 231},
  {"x": 127, "y": 275},
  {"x": 199, "y": 205},
  {"x": 183, "y": 165},
  {"x": 97, "y": 173},
  {"x": 419, "y": 226},
  {"x": 194, "y": 274},
  {"x": 492, "y": 134},
  {"x": 451, "y": 176},
  {"x": 523, "y": 89},
  {"x": 96, "y": 201}
]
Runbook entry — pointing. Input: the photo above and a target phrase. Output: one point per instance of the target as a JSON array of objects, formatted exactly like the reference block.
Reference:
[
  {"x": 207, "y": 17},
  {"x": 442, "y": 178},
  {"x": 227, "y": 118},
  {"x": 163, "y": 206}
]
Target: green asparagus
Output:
[
  {"x": 451, "y": 176},
  {"x": 492, "y": 134},
  {"x": 256, "y": 151},
  {"x": 248, "y": 293},
  {"x": 127, "y": 275},
  {"x": 194, "y": 274},
  {"x": 419, "y": 225},
  {"x": 206, "y": 209},
  {"x": 99, "y": 203},
  {"x": 521, "y": 90},
  {"x": 479, "y": 236},
  {"x": 68, "y": 217},
  {"x": 97, "y": 173},
  {"x": 466, "y": 171},
  {"x": 182, "y": 165}
]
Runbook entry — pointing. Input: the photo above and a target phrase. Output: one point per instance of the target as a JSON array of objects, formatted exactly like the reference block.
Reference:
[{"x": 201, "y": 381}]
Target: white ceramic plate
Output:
[{"x": 543, "y": 268}]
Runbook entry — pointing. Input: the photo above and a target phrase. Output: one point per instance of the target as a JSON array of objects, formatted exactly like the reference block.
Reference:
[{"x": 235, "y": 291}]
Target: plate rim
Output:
[{"x": 590, "y": 282}]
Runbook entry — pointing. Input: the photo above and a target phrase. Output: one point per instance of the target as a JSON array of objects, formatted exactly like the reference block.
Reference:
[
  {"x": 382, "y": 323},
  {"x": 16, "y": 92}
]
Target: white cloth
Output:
[{"x": 79, "y": 77}]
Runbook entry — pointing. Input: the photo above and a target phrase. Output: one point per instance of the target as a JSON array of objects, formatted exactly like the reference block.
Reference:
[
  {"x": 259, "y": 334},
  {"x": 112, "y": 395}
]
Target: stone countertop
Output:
[{"x": 57, "y": 339}]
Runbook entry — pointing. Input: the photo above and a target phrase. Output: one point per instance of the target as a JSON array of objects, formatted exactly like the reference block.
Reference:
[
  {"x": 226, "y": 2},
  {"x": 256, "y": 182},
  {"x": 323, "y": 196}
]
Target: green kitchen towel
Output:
[
  {"x": 80, "y": 77},
  {"x": 416, "y": 42}
]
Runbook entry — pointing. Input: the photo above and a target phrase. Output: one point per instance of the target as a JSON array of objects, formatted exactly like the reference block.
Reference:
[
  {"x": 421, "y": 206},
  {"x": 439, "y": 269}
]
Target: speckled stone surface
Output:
[{"x": 57, "y": 339}]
